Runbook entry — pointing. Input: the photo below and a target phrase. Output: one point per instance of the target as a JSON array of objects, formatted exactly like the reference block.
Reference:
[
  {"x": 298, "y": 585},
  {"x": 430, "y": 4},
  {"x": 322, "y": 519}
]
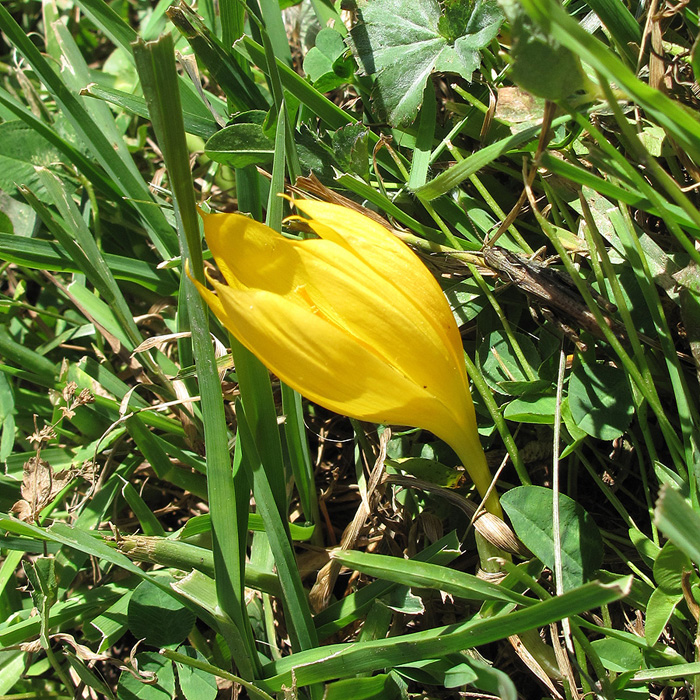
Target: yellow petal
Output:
[
  {"x": 316, "y": 358},
  {"x": 389, "y": 257},
  {"x": 371, "y": 310},
  {"x": 247, "y": 252},
  {"x": 353, "y": 294}
]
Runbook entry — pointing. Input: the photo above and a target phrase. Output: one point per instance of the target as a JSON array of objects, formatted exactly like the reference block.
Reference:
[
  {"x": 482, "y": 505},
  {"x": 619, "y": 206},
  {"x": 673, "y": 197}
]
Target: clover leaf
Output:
[{"x": 402, "y": 42}]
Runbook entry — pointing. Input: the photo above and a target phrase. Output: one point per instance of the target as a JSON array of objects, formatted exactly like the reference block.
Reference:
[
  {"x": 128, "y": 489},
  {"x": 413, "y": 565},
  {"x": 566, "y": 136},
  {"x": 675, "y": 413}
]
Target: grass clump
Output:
[{"x": 179, "y": 523}]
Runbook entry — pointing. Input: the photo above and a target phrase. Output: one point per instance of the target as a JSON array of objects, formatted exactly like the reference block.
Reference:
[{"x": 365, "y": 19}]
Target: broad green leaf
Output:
[
  {"x": 571, "y": 425},
  {"x": 618, "y": 655},
  {"x": 316, "y": 155},
  {"x": 437, "y": 671},
  {"x": 527, "y": 389},
  {"x": 499, "y": 362},
  {"x": 158, "y": 618},
  {"x": 530, "y": 511},
  {"x": 379, "y": 687},
  {"x": 402, "y": 600},
  {"x": 324, "y": 64},
  {"x": 531, "y": 49},
  {"x": 457, "y": 670},
  {"x": 429, "y": 470},
  {"x": 21, "y": 149},
  {"x": 195, "y": 683},
  {"x": 647, "y": 549},
  {"x": 197, "y": 662},
  {"x": 111, "y": 624},
  {"x": 466, "y": 299},
  {"x": 239, "y": 145},
  {"x": 12, "y": 668},
  {"x": 16, "y": 218},
  {"x": 351, "y": 149},
  {"x": 402, "y": 42},
  {"x": 539, "y": 409},
  {"x": 600, "y": 400},
  {"x": 158, "y": 679},
  {"x": 669, "y": 566},
  {"x": 659, "y": 610}
]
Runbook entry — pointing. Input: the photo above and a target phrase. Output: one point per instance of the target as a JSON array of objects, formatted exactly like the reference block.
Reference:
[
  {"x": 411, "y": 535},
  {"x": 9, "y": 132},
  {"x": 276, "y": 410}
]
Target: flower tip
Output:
[{"x": 204, "y": 214}]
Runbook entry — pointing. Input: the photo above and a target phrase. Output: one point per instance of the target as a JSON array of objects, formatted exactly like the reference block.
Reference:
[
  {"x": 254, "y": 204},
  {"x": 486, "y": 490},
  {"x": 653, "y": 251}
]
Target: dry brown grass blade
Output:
[
  {"x": 321, "y": 590},
  {"x": 489, "y": 526}
]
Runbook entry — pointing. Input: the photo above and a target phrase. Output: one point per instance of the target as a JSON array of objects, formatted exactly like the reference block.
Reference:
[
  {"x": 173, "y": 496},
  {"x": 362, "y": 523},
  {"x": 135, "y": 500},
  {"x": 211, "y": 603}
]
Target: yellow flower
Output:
[{"x": 352, "y": 320}]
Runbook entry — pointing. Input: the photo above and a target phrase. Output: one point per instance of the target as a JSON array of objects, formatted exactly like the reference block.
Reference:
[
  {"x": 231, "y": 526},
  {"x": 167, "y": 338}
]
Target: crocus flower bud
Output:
[{"x": 352, "y": 320}]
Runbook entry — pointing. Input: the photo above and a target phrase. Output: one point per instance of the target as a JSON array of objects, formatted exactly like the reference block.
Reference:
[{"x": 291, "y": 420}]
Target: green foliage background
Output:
[{"x": 171, "y": 515}]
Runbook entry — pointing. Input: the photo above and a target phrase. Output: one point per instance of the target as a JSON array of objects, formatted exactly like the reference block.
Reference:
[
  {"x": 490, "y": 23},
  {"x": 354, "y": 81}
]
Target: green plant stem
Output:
[
  {"x": 648, "y": 390},
  {"x": 497, "y": 417},
  {"x": 524, "y": 364},
  {"x": 499, "y": 213},
  {"x": 641, "y": 184},
  {"x": 156, "y": 65},
  {"x": 254, "y": 691}
]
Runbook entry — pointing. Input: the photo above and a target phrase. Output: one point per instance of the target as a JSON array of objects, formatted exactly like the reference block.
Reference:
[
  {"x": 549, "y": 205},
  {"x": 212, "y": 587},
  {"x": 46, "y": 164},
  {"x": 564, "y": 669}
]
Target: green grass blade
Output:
[
  {"x": 232, "y": 15},
  {"x": 239, "y": 88},
  {"x": 156, "y": 65},
  {"x": 120, "y": 168},
  {"x": 366, "y": 191},
  {"x": 47, "y": 255},
  {"x": 455, "y": 175},
  {"x": 350, "y": 608},
  {"x": 300, "y": 458},
  {"x": 426, "y": 575},
  {"x": 277, "y": 530},
  {"x": 679, "y": 522},
  {"x": 613, "y": 190},
  {"x": 333, "y": 116},
  {"x": 27, "y": 358},
  {"x": 88, "y": 254},
  {"x": 197, "y": 124},
  {"x": 261, "y": 416},
  {"x": 621, "y": 24},
  {"x": 275, "y": 30},
  {"x": 347, "y": 660},
  {"x": 147, "y": 519},
  {"x": 424, "y": 140},
  {"x": 84, "y": 605},
  {"x": 679, "y": 123},
  {"x": 74, "y": 156},
  {"x": 687, "y": 412},
  {"x": 252, "y": 689},
  {"x": 294, "y": 429},
  {"x": 186, "y": 557},
  {"x": 108, "y": 21}
]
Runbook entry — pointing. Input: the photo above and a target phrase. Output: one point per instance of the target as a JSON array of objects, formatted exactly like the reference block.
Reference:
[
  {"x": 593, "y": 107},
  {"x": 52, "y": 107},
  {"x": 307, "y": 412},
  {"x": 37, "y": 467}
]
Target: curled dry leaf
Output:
[
  {"x": 30, "y": 647},
  {"x": 81, "y": 651},
  {"x": 69, "y": 391},
  {"x": 40, "y": 436},
  {"x": 40, "y": 485}
]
